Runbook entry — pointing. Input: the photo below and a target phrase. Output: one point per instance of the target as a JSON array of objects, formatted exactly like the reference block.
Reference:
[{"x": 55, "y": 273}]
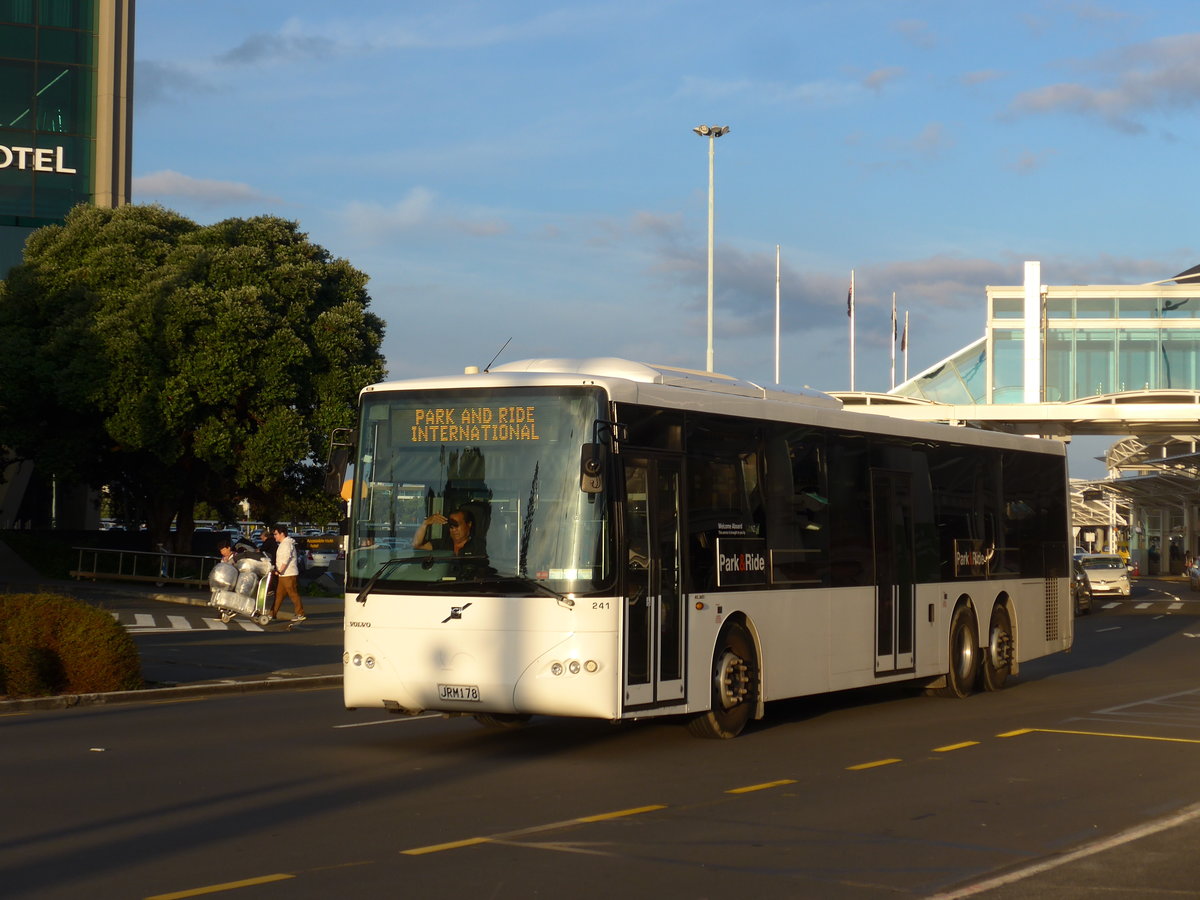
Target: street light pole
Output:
[{"x": 712, "y": 132}]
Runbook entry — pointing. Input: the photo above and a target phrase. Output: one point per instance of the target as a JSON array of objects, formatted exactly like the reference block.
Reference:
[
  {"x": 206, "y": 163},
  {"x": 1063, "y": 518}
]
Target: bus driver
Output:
[{"x": 460, "y": 538}]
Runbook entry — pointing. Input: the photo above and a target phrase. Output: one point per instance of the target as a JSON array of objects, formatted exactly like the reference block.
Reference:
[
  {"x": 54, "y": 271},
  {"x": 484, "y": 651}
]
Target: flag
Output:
[
  {"x": 850, "y": 298},
  {"x": 895, "y": 333},
  {"x": 904, "y": 334}
]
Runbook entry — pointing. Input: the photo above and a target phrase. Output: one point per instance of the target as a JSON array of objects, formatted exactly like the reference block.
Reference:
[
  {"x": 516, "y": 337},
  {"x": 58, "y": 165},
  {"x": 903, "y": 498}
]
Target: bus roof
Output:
[
  {"x": 606, "y": 368},
  {"x": 665, "y": 385}
]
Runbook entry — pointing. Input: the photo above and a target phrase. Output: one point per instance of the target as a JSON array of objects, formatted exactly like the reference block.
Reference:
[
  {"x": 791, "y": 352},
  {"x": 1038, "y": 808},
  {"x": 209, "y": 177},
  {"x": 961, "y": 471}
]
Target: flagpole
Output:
[
  {"x": 893, "y": 341},
  {"x": 904, "y": 345},
  {"x": 776, "y": 314},
  {"x": 850, "y": 313}
]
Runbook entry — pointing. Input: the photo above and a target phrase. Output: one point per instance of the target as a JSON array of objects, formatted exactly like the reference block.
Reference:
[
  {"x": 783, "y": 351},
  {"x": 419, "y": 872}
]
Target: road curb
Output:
[{"x": 70, "y": 701}]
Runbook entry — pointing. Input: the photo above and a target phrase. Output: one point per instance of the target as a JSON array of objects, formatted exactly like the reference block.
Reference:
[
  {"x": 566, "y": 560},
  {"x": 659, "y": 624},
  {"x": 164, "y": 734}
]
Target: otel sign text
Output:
[{"x": 44, "y": 159}]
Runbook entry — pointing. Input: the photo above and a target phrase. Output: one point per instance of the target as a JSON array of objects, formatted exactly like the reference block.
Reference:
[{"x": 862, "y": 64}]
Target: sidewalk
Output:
[{"x": 16, "y": 576}]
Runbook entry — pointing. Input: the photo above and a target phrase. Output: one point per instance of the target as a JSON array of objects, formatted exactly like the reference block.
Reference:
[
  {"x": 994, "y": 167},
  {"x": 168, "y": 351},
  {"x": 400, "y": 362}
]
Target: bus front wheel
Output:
[
  {"x": 964, "y": 655},
  {"x": 734, "y": 692}
]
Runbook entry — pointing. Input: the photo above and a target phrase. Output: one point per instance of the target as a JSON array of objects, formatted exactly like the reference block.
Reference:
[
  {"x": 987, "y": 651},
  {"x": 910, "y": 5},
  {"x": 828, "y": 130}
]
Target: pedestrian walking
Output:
[
  {"x": 288, "y": 567},
  {"x": 268, "y": 546}
]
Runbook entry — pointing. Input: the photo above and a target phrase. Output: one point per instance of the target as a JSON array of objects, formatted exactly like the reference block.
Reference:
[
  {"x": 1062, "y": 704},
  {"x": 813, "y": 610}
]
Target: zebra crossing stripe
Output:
[{"x": 145, "y": 623}]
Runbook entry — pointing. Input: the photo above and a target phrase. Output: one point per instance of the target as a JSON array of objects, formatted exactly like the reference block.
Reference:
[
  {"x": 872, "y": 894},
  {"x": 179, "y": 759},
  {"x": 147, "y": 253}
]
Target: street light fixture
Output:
[{"x": 712, "y": 132}]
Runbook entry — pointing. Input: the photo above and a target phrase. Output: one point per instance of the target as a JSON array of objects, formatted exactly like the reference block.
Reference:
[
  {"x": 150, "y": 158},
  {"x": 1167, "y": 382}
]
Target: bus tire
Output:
[
  {"x": 502, "y": 721},
  {"x": 734, "y": 686},
  {"x": 964, "y": 655},
  {"x": 999, "y": 652}
]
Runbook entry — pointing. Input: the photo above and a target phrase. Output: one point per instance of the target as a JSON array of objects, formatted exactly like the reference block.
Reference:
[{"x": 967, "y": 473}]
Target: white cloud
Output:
[
  {"x": 1157, "y": 76},
  {"x": 879, "y": 79},
  {"x": 418, "y": 211},
  {"x": 168, "y": 183},
  {"x": 819, "y": 93}
]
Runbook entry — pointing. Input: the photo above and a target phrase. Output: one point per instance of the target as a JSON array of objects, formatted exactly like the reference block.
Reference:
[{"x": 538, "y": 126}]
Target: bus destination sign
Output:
[{"x": 475, "y": 423}]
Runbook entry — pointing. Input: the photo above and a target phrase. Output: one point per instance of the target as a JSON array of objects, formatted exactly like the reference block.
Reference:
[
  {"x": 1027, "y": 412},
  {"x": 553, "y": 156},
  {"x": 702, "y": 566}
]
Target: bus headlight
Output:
[
  {"x": 591, "y": 666},
  {"x": 556, "y": 668},
  {"x": 370, "y": 662},
  {"x": 574, "y": 666}
]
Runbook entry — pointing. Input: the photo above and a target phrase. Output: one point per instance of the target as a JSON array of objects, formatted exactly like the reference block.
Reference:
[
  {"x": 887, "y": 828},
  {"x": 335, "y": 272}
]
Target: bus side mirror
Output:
[
  {"x": 338, "y": 461},
  {"x": 591, "y": 469}
]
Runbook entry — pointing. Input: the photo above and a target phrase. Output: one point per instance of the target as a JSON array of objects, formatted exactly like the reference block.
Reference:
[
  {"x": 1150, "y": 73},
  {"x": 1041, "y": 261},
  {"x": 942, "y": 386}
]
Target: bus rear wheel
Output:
[
  {"x": 964, "y": 655},
  {"x": 998, "y": 655},
  {"x": 734, "y": 693}
]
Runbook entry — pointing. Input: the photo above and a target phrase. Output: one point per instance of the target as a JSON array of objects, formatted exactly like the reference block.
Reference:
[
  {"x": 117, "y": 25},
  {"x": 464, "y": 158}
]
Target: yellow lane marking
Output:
[
  {"x": 761, "y": 787},
  {"x": 635, "y": 811},
  {"x": 582, "y": 820},
  {"x": 451, "y": 845},
  {"x": 950, "y": 747},
  {"x": 217, "y": 888},
  {"x": 1017, "y": 733},
  {"x": 1108, "y": 734},
  {"x": 872, "y": 765}
]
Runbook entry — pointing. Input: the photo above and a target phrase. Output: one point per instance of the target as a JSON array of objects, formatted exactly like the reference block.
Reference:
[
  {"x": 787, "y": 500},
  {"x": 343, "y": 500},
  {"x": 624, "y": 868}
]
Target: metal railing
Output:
[{"x": 159, "y": 568}]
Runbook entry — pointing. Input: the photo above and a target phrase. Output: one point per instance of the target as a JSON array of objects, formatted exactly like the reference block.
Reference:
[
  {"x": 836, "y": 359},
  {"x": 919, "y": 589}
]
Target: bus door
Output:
[
  {"x": 895, "y": 593},
  {"x": 654, "y": 602}
]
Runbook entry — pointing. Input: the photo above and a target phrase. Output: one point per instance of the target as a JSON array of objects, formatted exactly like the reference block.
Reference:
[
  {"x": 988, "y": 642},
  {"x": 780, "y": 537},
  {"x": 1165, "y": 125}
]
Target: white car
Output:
[{"x": 1106, "y": 573}]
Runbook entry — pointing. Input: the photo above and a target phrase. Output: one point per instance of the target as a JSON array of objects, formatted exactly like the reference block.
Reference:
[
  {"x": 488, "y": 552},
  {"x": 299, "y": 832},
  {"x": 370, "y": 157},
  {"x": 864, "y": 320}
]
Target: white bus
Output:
[{"x": 650, "y": 541}]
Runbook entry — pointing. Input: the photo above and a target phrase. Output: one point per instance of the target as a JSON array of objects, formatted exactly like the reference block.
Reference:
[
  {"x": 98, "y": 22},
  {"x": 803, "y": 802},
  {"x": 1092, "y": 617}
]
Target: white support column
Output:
[{"x": 1033, "y": 332}]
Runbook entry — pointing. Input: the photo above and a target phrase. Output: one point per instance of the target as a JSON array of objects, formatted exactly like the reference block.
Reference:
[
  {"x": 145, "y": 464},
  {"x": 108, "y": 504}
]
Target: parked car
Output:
[
  {"x": 1081, "y": 590},
  {"x": 1106, "y": 573},
  {"x": 1193, "y": 574}
]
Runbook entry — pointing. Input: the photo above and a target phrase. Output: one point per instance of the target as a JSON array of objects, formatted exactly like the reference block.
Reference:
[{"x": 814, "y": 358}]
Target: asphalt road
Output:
[{"x": 1077, "y": 780}]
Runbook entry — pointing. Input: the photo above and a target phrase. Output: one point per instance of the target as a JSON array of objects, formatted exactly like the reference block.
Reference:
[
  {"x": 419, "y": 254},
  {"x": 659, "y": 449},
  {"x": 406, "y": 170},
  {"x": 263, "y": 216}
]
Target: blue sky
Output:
[{"x": 527, "y": 170}]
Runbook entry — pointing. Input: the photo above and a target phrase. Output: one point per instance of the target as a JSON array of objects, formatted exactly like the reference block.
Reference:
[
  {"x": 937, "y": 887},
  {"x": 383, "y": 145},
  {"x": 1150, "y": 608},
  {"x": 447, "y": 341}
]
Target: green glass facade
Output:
[{"x": 48, "y": 69}]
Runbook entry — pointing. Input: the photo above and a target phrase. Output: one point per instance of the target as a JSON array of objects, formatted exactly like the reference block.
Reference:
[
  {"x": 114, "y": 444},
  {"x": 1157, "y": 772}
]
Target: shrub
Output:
[{"x": 54, "y": 644}]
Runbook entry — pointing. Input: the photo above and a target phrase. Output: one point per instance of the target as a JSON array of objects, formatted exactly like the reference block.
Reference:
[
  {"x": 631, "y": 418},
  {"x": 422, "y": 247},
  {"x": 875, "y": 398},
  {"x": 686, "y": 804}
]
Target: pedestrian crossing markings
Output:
[{"x": 150, "y": 623}]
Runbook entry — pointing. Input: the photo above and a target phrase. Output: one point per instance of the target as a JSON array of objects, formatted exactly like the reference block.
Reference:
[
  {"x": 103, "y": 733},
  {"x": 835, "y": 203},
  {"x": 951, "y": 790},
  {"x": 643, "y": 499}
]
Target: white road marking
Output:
[
  {"x": 1125, "y": 837},
  {"x": 395, "y": 720}
]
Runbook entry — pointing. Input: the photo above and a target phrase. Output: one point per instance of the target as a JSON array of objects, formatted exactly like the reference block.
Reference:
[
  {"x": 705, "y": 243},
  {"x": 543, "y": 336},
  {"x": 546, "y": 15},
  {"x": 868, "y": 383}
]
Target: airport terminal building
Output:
[
  {"x": 1067, "y": 360},
  {"x": 66, "y": 137}
]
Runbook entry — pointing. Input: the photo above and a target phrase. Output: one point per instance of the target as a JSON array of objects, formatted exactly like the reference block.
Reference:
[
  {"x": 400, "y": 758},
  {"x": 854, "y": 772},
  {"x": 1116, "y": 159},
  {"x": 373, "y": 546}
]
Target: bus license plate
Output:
[{"x": 467, "y": 692}]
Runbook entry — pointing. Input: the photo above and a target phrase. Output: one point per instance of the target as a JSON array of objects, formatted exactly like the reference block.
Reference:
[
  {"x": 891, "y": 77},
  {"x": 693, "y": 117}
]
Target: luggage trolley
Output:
[{"x": 243, "y": 588}]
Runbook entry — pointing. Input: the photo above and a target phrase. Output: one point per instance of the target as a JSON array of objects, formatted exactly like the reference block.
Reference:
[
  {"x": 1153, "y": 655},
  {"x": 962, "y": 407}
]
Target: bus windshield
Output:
[{"x": 500, "y": 465}]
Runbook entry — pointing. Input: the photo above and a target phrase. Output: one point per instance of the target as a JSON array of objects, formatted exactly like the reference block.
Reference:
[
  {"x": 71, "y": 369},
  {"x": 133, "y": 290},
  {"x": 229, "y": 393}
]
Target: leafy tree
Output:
[{"x": 176, "y": 362}]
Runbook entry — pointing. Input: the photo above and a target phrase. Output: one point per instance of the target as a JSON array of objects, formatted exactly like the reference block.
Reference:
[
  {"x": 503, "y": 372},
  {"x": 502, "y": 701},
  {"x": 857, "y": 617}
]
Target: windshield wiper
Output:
[
  {"x": 464, "y": 562},
  {"x": 426, "y": 562},
  {"x": 567, "y": 600}
]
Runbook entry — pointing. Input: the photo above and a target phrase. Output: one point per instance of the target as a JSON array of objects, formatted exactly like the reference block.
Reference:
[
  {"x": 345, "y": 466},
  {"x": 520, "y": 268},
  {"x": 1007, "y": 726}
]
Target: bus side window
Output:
[{"x": 801, "y": 546}]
